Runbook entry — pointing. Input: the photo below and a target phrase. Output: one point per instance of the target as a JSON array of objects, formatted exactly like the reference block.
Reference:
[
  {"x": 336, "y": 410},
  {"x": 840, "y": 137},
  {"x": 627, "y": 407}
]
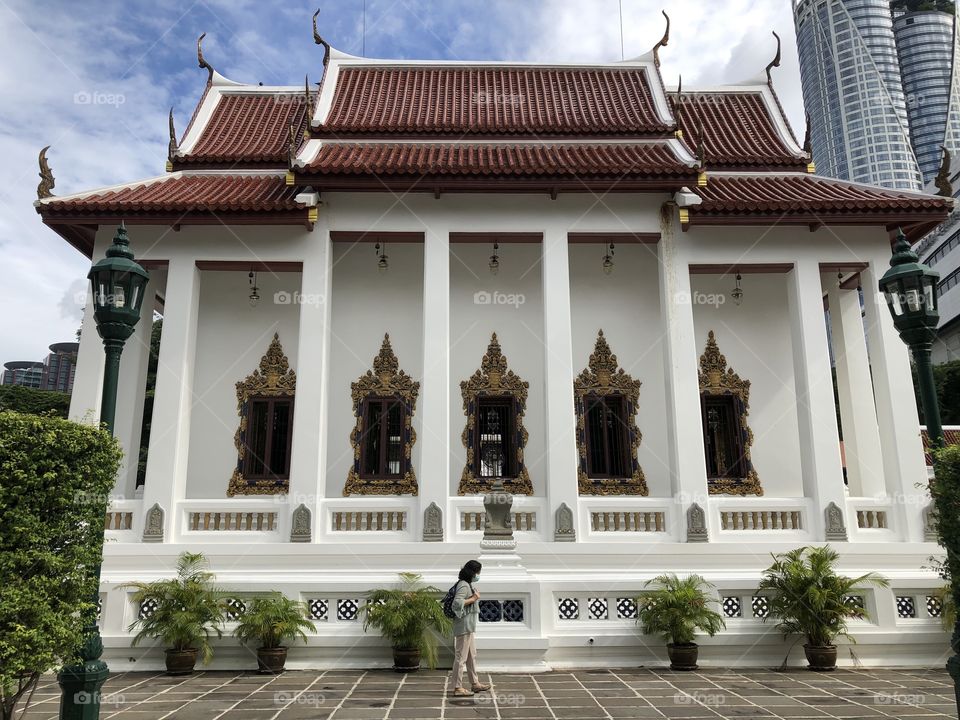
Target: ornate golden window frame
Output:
[
  {"x": 385, "y": 380},
  {"x": 718, "y": 379},
  {"x": 493, "y": 379},
  {"x": 604, "y": 377},
  {"x": 273, "y": 378}
]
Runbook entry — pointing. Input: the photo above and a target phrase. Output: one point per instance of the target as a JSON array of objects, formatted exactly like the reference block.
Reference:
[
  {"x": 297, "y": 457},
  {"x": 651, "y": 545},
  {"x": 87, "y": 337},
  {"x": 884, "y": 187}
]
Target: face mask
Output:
[{"x": 475, "y": 578}]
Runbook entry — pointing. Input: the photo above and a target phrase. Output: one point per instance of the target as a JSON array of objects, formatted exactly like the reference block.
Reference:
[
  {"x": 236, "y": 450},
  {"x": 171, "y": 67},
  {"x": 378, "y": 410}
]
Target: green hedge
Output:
[
  {"x": 55, "y": 478},
  {"x": 945, "y": 488},
  {"x": 36, "y": 402}
]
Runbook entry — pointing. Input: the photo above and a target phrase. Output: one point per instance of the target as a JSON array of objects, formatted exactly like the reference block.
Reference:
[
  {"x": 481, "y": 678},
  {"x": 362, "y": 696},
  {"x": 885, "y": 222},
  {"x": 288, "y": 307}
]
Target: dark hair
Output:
[{"x": 469, "y": 570}]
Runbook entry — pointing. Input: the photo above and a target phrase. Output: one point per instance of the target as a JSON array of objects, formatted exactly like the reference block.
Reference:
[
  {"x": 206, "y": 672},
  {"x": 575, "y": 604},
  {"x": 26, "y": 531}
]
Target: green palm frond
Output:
[
  {"x": 807, "y": 597},
  {"x": 410, "y": 616},
  {"x": 189, "y": 608},
  {"x": 271, "y": 620},
  {"x": 677, "y": 608}
]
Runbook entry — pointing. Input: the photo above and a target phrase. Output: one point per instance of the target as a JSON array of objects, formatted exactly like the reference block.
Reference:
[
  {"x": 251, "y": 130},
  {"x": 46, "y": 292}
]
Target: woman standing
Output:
[{"x": 466, "y": 611}]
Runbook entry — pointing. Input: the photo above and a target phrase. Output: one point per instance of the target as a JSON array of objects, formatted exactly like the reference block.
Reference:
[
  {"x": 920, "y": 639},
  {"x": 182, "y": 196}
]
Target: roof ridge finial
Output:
[
  {"x": 172, "y": 145},
  {"x": 292, "y": 147},
  {"x": 202, "y": 60},
  {"x": 942, "y": 181},
  {"x": 310, "y": 107},
  {"x": 775, "y": 62},
  {"x": 678, "y": 111},
  {"x": 808, "y": 138},
  {"x": 45, "y": 188},
  {"x": 701, "y": 147},
  {"x": 663, "y": 41},
  {"x": 320, "y": 41}
]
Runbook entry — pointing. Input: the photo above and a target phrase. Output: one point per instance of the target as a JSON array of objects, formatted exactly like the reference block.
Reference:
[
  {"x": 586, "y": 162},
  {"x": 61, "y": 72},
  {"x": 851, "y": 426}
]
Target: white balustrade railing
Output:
[
  {"x": 469, "y": 516},
  {"x": 871, "y": 519},
  {"x": 371, "y": 518},
  {"x": 122, "y": 515},
  {"x": 255, "y": 519},
  {"x": 607, "y": 518},
  {"x": 732, "y": 517}
]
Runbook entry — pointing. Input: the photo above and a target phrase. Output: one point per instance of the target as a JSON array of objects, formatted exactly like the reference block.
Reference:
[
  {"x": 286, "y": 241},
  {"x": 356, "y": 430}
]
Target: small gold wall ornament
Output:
[
  {"x": 385, "y": 380},
  {"x": 719, "y": 380},
  {"x": 494, "y": 379},
  {"x": 273, "y": 378},
  {"x": 604, "y": 377}
]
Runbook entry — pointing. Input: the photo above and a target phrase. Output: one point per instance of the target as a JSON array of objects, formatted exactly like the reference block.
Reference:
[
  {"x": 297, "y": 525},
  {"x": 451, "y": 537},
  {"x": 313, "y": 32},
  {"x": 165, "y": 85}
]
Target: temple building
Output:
[{"x": 384, "y": 290}]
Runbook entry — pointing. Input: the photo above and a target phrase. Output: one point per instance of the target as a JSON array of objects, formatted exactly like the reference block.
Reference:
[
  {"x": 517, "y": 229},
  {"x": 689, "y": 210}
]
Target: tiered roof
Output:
[{"x": 258, "y": 154}]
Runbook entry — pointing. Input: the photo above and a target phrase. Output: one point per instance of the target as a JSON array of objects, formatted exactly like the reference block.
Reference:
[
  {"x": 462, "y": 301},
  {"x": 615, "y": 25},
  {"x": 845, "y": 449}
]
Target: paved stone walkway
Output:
[{"x": 586, "y": 694}]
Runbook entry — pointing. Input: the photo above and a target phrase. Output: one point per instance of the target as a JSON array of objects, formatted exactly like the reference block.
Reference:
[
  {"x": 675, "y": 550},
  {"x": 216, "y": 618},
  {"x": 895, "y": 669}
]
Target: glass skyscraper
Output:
[
  {"x": 925, "y": 46},
  {"x": 853, "y": 92}
]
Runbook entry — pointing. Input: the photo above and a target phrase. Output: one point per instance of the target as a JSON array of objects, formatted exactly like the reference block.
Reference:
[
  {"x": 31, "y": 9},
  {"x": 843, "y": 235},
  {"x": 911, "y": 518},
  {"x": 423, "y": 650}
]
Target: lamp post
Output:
[
  {"x": 911, "y": 291},
  {"x": 118, "y": 284}
]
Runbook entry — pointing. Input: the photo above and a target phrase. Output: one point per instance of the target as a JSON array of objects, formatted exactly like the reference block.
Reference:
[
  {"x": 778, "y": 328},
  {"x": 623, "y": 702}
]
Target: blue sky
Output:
[{"x": 95, "y": 80}]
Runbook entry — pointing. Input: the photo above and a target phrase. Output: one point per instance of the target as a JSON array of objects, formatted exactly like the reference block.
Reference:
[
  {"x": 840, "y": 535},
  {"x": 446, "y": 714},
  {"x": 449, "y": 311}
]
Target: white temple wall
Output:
[
  {"x": 232, "y": 336},
  {"x": 626, "y": 306},
  {"x": 755, "y": 338},
  {"x": 509, "y": 304},
  {"x": 366, "y": 304}
]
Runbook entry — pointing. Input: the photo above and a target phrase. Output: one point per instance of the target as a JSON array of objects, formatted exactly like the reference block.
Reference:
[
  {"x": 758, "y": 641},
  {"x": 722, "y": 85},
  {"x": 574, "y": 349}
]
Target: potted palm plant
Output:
[
  {"x": 676, "y": 609},
  {"x": 269, "y": 621},
  {"x": 808, "y": 598},
  {"x": 410, "y": 617},
  {"x": 188, "y": 610}
]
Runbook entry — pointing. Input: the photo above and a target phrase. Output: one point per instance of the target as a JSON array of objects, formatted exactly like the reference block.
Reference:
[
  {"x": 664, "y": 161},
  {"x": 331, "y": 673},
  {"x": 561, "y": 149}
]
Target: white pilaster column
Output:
[
  {"x": 821, "y": 468},
  {"x": 308, "y": 453},
  {"x": 858, "y": 414},
  {"x": 561, "y": 421},
  {"x": 130, "y": 394},
  {"x": 688, "y": 465},
  {"x": 88, "y": 377},
  {"x": 166, "y": 478},
  {"x": 900, "y": 445},
  {"x": 433, "y": 475}
]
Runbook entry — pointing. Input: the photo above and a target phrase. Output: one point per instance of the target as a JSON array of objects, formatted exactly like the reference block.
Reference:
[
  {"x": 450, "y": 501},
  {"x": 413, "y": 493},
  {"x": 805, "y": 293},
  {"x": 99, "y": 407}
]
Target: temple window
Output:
[
  {"x": 722, "y": 436},
  {"x": 382, "y": 438},
  {"x": 267, "y": 441},
  {"x": 496, "y": 428},
  {"x": 608, "y": 454}
]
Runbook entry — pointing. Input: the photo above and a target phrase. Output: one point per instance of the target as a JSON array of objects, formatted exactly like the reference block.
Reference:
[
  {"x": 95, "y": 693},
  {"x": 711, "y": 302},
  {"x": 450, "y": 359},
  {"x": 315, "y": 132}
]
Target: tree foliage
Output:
[
  {"x": 36, "y": 402},
  {"x": 271, "y": 620},
  {"x": 946, "y": 377},
  {"x": 945, "y": 489},
  {"x": 189, "y": 608},
  {"x": 55, "y": 479},
  {"x": 677, "y": 608},
  {"x": 410, "y": 616},
  {"x": 808, "y": 597}
]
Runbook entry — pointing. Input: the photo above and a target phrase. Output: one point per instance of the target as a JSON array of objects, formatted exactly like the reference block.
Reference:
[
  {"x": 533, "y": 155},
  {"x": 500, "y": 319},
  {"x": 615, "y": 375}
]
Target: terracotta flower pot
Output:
[
  {"x": 271, "y": 660},
  {"x": 181, "y": 662},
  {"x": 821, "y": 659},
  {"x": 683, "y": 656},
  {"x": 406, "y": 660}
]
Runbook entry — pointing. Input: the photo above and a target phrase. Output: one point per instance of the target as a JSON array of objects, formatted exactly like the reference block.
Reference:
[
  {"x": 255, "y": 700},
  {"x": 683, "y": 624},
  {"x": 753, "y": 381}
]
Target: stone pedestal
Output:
[{"x": 498, "y": 548}]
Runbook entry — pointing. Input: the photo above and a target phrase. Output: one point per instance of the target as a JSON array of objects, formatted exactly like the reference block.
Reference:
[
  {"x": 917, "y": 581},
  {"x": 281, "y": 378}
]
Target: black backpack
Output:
[{"x": 447, "y": 601}]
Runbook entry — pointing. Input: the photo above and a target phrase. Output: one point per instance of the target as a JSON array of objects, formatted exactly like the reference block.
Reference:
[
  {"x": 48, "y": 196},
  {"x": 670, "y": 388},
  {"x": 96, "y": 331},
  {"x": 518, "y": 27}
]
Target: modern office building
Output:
[
  {"x": 23, "y": 372},
  {"x": 925, "y": 46},
  {"x": 59, "y": 367},
  {"x": 853, "y": 92}
]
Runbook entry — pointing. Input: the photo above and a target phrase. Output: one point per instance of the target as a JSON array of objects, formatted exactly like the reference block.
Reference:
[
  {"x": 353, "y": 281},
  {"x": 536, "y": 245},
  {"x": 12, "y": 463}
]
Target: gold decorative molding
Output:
[
  {"x": 718, "y": 379},
  {"x": 604, "y": 377},
  {"x": 386, "y": 380},
  {"x": 273, "y": 378},
  {"x": 493, "y": 379}
]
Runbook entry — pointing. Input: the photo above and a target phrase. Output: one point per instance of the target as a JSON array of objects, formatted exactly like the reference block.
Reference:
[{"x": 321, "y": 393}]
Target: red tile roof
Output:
[
  {"x": 738, "y": 131},
  {"x": 184, "y": 193},
  {"x": 489, "y": 159},
  {"x": 493, "y": 100},
  {"x": 248, "y": 129},
  {"x": 950, "y": 435},
  {"x": 784, "y": 194}
]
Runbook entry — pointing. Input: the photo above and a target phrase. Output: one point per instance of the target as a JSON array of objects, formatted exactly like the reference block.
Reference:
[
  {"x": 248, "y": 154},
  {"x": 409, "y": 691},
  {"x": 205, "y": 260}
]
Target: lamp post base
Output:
[{"x": 80, "y": 685}]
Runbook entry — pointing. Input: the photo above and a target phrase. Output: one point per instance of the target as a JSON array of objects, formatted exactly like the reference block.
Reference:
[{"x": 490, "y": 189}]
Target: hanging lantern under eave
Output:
[
  {"x": 118, "y": 284},
  {"x": 910, "y": 288}
]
